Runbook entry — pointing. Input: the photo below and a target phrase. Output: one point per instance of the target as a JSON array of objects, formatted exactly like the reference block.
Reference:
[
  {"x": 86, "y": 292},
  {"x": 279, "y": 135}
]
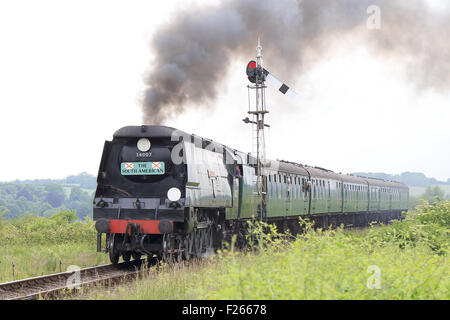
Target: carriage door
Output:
[
  {"x": 390, "y": 198},
  {"x": 235, "y": 179},
  {"x": 288, "y": 204},
  {"x": 238, "y": 193}
]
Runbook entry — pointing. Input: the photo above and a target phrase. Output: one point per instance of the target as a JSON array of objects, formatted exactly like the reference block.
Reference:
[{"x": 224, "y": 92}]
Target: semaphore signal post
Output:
[{"x": 256, "y": 75}]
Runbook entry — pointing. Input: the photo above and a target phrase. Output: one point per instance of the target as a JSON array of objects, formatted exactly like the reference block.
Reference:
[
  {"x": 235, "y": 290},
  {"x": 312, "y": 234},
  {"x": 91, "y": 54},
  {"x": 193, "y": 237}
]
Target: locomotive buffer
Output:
[{"x": 258, "y": 75}]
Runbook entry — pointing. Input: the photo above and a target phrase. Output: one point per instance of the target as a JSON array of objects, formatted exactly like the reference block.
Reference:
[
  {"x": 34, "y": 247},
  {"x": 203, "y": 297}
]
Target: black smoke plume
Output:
[{"x": 193, "y": 51}]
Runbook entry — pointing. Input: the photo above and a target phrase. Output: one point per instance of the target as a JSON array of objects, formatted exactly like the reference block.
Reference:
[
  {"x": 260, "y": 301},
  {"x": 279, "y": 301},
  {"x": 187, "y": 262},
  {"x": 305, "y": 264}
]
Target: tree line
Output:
[{"x": 17, "y": 199}]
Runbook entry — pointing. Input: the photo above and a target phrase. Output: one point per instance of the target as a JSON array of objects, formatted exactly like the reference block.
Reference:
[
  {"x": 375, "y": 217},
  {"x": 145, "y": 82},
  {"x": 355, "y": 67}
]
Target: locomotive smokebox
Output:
[{"x": 102, "y": 225}]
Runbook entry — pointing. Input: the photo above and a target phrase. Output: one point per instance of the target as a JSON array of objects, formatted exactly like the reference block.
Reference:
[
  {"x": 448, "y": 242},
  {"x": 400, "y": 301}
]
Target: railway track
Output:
[{"x": 53, "y": 285}]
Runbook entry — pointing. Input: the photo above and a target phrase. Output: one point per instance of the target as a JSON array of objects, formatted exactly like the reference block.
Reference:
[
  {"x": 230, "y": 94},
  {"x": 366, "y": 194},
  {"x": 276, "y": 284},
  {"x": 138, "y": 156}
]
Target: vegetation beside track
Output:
[
  {"x": 411, "y": 257},
  {"x": 403, "y": 260},
  {"x": 39, "y": 245}
]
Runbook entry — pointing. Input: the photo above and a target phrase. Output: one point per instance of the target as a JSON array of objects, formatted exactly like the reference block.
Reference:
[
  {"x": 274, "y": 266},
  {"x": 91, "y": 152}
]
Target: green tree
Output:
[
  {"x": 77, "y": 194},
  {"x": 65, "y": 216},
  {"x": 55, "y": 194},
  {"x": 25, "y": 192},
  {"x": 13, "y": 210},
  {"x": 433, "y": 194}
]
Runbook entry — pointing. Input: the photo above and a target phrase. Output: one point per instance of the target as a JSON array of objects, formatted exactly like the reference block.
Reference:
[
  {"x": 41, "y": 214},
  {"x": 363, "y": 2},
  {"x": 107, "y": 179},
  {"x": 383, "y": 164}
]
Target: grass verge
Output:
[
  {"x": 404, "y": 260},
  {"x": 37, "y": 245}
]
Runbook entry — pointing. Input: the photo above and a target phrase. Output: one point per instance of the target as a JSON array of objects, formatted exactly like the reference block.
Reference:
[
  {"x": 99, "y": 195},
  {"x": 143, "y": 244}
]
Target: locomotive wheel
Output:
[
  {"x": 136, "y": 255},
  {"x": 209, "y": 241},
  {"x": 114, "y": 254},
  {"x": 126, "y": 256},
  {"x": 198, "y": 243},
  {"x": 188, "y": 246},
  {"x": 179, "y": 254},
  {"x": 168, "y": 257},
  {"x": 168, "y": 247}
]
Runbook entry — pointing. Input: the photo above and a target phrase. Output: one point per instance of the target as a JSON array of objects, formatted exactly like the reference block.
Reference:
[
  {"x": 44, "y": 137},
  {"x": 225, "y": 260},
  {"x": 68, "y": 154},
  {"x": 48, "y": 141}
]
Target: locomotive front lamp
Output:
[
  {"x": 174, "y": 194},
  {"x": 144, "y": 144}
]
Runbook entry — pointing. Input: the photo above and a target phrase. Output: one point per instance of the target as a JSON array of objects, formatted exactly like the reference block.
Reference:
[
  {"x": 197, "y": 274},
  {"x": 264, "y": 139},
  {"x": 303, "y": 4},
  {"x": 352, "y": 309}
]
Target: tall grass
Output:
[
  {"x": 403, "y": 260},
  {"x": 40, "y": 245}
]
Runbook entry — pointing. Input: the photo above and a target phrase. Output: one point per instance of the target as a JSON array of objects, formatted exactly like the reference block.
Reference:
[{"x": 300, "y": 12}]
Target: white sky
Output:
[{"x": 71, "y": 74}]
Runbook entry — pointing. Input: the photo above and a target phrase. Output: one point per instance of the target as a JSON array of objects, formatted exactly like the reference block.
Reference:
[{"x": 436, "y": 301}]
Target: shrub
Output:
[
  {"x": 428, "y": 225},
  {"x": 62, "y": 227}
]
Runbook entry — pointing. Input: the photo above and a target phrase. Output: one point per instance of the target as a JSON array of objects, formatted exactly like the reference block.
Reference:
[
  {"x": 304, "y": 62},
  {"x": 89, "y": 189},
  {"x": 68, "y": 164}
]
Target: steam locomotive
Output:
[{"x": 164, "y": 192}]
